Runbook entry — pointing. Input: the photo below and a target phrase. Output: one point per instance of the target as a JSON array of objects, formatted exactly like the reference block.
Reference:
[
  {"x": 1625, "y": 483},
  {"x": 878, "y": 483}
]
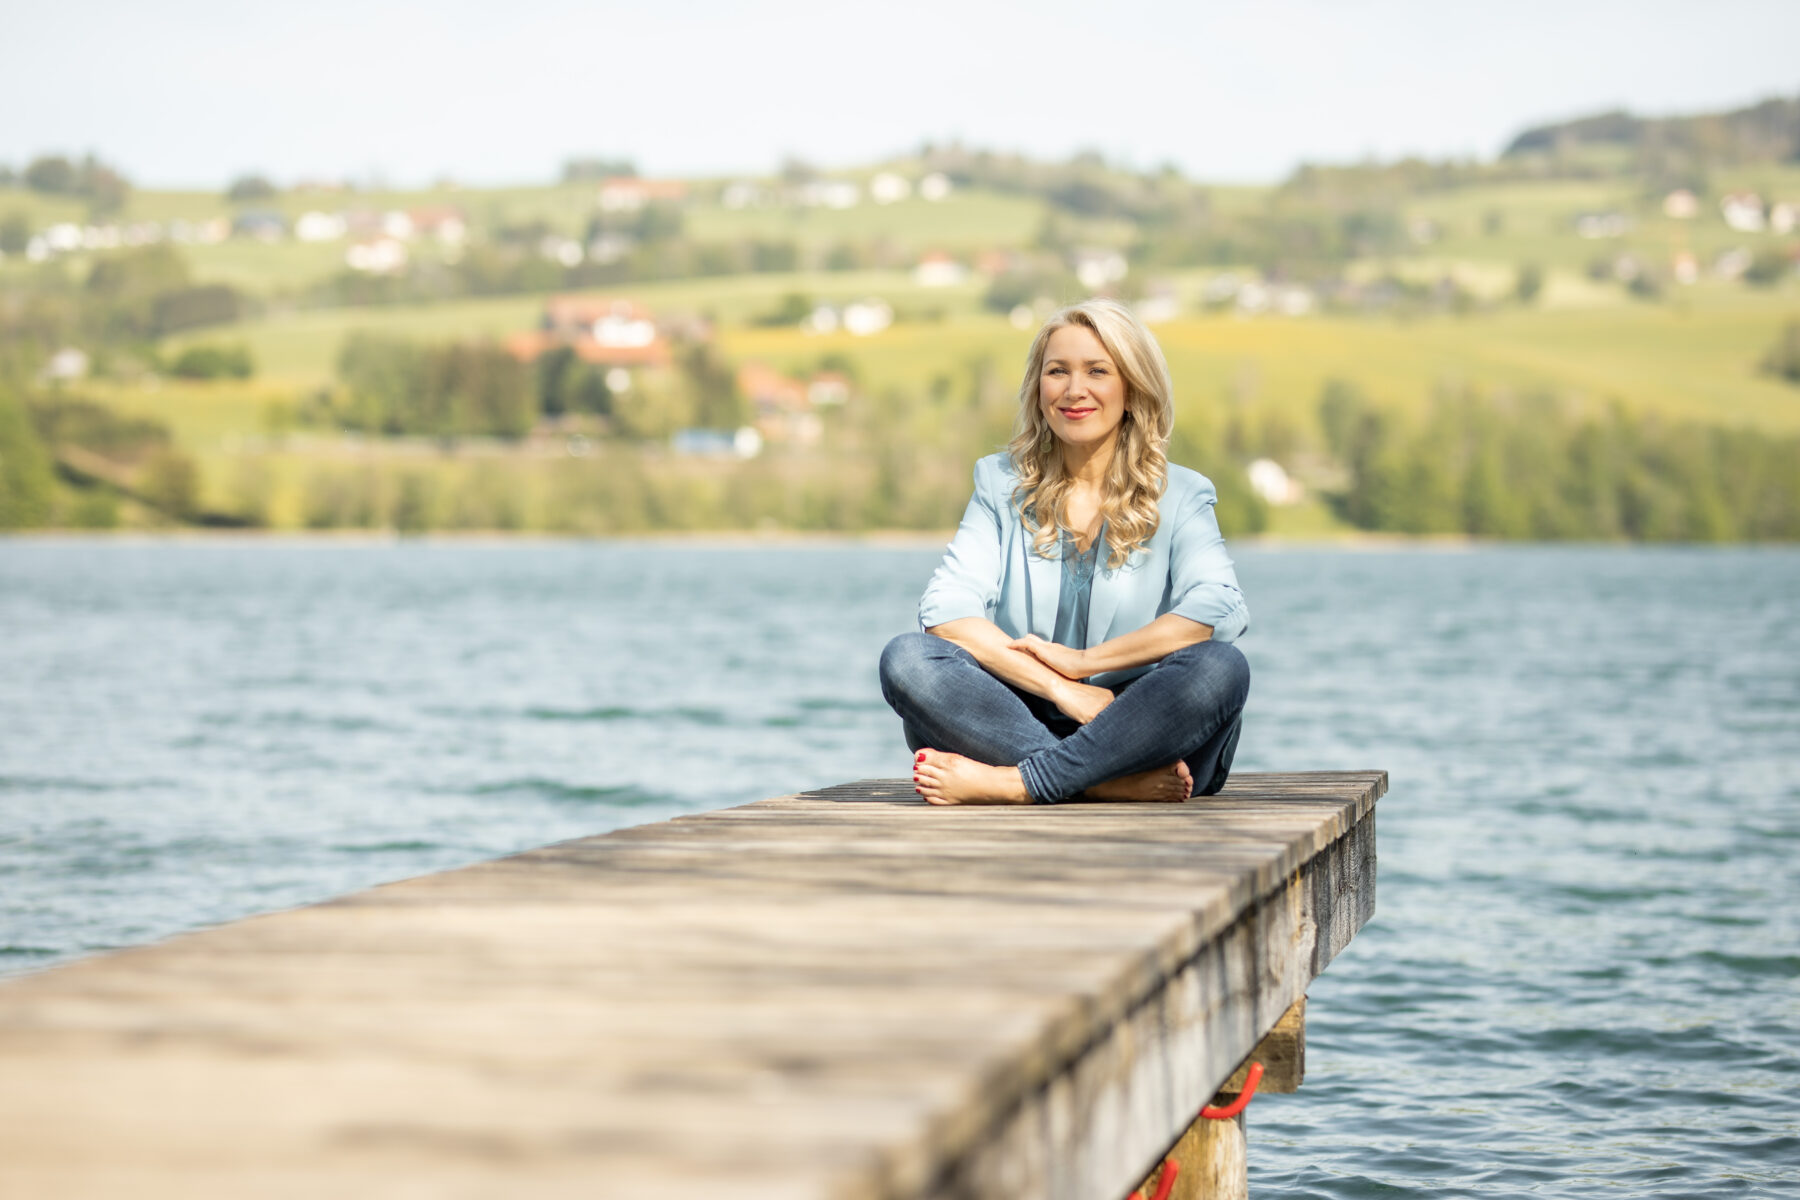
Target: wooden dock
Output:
[{"x": 841, "y": 994}]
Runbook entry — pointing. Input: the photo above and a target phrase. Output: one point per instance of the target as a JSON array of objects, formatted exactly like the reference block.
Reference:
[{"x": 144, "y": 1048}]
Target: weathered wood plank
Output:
[{"x": 844, "y": 993}]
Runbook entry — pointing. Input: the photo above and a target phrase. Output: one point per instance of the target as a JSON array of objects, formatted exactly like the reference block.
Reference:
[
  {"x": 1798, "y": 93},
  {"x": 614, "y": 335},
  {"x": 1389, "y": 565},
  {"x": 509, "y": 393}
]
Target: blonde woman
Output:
[{"x": 1076, "y": 638}]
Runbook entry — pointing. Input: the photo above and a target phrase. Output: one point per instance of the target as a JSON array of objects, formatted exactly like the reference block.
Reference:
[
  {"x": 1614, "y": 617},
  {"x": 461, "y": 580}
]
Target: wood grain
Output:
[{"x": 843, "y": 993}]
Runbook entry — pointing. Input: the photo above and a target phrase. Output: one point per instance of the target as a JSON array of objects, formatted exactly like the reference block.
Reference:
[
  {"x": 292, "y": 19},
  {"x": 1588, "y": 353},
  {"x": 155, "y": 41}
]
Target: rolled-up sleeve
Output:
[
  {"x": 1202, "y": 584},
  {"x": 967, "y": 582}
]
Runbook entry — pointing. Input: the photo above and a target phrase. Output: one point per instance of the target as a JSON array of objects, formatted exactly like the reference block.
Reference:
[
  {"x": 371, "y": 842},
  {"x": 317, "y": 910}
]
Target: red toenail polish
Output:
[{"x": 921, "y": 757}]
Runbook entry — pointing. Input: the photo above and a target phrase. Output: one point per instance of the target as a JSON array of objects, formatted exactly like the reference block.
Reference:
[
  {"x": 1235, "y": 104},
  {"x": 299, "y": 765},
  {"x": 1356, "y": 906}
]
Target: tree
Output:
[
  {"x": 171, "y": 483},
  {"x": 1783, "y": 357},
  {"x": 248, "y": 188},
  {"x": 26, "y": 481},
  {"x": 585, "y": 170},
  {"x": 1528, "y": 283},
  {"x": 385, "y": 378},
  {"x": 15, "y": 233},
  {"x": 213, "y": 362},
  {"x": 717, "y": 404},
  {"x": 1769, "y": 267},
  {"x": 103, "y": 187},
  {"x": 190, "y": 308},
  {"x": 52, "y": 174}
]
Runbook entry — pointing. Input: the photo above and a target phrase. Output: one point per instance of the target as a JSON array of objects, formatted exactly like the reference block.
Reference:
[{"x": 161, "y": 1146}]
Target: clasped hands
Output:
[{"x": 1076, "y": 700}]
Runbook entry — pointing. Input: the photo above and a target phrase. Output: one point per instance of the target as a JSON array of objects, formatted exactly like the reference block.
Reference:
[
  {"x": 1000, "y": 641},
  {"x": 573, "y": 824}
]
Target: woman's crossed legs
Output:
[{"x": 1171, "y": 732}]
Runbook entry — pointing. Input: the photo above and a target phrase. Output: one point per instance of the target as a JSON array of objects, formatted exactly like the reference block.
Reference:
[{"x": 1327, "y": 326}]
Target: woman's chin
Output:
[{"x": 1081, "y": 437}]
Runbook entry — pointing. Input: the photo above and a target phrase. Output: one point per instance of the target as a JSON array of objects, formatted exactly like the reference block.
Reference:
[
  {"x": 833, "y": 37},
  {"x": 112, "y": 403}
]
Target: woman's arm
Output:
[
  {"x": 1153, "y": 643},
  {"x": 1007, "y": 659}
]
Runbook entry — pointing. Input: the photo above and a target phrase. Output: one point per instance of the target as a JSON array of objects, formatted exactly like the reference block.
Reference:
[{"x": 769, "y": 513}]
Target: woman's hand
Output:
[
  {"x": 1081, "y": 702},
  {"x": 1066, "y": 661}
]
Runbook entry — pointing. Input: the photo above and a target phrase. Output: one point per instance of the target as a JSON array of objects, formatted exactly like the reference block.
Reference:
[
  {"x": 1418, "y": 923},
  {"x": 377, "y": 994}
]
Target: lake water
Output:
[{"x": 1583, "y": 977}]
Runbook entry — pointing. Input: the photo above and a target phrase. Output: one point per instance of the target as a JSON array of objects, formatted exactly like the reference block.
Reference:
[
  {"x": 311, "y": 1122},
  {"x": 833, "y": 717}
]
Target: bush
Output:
[
  {"x": 71, "y": 421},
  {"x": 213, "y": 362},
  {"x": 26, "y": 480},
  {"x": 170, "y": 483},
  {"x": 246, "y": 188},
  {"x": 1783, "y": 358},
  {"x": 449, "y": 390},
  {"x": 1768, "y": 268},
  {"x": 1528, "y": 283},
  {"x": 192, "y": 307}
]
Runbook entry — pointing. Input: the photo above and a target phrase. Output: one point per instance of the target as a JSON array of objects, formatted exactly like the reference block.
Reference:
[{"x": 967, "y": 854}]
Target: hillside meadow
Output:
[{"x": 934, "y": 389}]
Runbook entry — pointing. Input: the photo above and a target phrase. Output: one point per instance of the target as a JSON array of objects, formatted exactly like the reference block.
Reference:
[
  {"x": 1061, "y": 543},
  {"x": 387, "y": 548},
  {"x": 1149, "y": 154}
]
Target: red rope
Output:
[
  {"x": 1171, "y": 1168},
  {"x": 1251, "y": 1079}
]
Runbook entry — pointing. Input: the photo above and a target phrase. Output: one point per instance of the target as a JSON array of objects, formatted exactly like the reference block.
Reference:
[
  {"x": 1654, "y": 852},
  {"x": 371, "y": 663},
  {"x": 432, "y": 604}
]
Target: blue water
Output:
[{"x": 1583, "y": 977}]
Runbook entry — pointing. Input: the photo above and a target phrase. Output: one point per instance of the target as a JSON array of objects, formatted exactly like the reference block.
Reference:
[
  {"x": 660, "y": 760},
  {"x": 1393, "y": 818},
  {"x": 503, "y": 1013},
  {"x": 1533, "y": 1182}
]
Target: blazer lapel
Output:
[
  {"x": 1046, "y": 589},
  {"x": 1103, "y": 600}
]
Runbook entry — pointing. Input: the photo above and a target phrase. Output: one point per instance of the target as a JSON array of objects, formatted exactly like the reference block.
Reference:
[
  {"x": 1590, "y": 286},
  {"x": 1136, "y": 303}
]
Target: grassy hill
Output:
[{"x": 1471, "y": 282}]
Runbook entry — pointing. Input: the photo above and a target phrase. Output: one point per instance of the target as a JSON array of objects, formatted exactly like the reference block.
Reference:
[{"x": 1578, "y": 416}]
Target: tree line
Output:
[{"x": 1531, "y": 467}]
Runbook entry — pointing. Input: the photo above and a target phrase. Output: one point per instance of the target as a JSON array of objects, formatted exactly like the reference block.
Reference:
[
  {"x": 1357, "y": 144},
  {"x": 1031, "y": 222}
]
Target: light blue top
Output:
[
  {"x": 1077, "y": 591},
  {"x": 991, "y": 569}
]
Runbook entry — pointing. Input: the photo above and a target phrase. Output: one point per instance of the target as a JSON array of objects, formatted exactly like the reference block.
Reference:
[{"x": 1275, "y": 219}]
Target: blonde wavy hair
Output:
[{"x": 1139, "y": 470}]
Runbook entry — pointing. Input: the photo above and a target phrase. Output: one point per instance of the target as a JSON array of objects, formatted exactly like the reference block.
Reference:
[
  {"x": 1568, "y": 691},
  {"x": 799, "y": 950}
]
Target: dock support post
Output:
[
  {"x": 1211, "y": 1163},
  {"x": 1211, "y": 1159}
]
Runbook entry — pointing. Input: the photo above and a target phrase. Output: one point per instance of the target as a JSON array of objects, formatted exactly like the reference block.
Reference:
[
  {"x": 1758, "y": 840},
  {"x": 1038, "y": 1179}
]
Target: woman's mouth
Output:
[{"x": 1075, "y": 414}]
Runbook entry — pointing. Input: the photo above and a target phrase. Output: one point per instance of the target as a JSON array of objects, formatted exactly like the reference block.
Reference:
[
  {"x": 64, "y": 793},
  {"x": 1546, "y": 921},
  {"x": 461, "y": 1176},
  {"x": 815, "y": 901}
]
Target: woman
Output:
[{"x": 1076, "y": 637}]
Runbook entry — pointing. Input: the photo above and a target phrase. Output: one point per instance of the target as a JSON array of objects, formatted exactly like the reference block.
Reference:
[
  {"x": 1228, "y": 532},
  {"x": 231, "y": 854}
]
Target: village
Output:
[{"x": 324, "y": 354}]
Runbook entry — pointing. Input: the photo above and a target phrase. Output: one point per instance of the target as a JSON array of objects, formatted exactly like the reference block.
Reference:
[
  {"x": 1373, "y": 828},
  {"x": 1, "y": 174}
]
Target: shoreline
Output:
[{"x": 1356, "y": 541}]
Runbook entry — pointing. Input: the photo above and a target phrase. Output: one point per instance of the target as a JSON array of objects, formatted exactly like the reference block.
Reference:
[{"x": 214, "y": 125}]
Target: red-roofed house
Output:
[
  {"x": 608, "y": 333},
  {"x": 782, "y": 405},
  {"x": 626, "y": 193}
]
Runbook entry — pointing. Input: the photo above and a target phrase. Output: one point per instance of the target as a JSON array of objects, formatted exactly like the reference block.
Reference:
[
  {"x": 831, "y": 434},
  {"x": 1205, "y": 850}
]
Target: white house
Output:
[
  {"x": 1271, "y": 481},
  {"x": 1097, "y": 268},
  {"x": 938, "y": 269},
  {"x": 887, "y": 188},
  {"x": 1743, "y": 211},
  {"x": 1681, "y": 205},
  {"x": 376, "y": 256},
  {"x": 866, "y": 317},
  {"x": 319, "y": 227}
]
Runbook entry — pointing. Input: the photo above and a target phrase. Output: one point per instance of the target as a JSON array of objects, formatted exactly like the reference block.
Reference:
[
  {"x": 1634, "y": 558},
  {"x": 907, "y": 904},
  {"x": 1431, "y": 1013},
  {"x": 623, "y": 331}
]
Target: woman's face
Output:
[{"x": 1081, "y": 393}]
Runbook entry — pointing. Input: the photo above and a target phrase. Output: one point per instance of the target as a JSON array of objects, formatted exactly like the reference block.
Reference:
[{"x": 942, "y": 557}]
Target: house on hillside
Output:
[
  {"x": 316, "y": 226},
  {"x": 617, "y": 335},
  {"x": 260, "y": 224},
  {"x": 781, "y": 406},
  {"x": 938, "y": 269},
  {"x": 1681, "y": 205},
  {"x": 1743, "y": 211},
  {"x": 626, "y": 193},
  {"x": 1596, "y": 225},
  {"x": 1098, "y": 268},
  {"x": 443, "y": 222},
  {"x": 828, "y": 388}
]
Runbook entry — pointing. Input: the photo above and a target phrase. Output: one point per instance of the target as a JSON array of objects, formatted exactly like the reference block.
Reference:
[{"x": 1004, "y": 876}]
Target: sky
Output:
[{"x": 198, "y": 92}]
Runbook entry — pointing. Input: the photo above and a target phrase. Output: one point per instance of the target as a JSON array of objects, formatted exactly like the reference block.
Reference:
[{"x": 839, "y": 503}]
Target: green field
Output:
[{"x": 937, "y": 381}]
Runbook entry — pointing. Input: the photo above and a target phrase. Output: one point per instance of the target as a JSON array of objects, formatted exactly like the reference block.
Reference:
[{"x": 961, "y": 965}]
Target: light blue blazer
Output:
[{"x": 991, "y": 569}]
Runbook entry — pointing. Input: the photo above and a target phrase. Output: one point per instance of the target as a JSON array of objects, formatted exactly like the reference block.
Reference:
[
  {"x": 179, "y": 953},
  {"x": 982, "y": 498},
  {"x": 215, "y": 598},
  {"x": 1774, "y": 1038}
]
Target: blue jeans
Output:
[{"x": 1189, "y": 706}]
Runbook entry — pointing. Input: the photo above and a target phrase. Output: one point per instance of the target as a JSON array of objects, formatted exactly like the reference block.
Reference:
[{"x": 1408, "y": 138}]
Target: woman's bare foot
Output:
[
  {"x": 1171, "y": 784},
  {"x": 945, "y": 778}
]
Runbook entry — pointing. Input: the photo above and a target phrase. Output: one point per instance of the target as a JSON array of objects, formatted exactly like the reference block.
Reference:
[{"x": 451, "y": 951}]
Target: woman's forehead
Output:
[{"x": 1075, "y": 342}]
